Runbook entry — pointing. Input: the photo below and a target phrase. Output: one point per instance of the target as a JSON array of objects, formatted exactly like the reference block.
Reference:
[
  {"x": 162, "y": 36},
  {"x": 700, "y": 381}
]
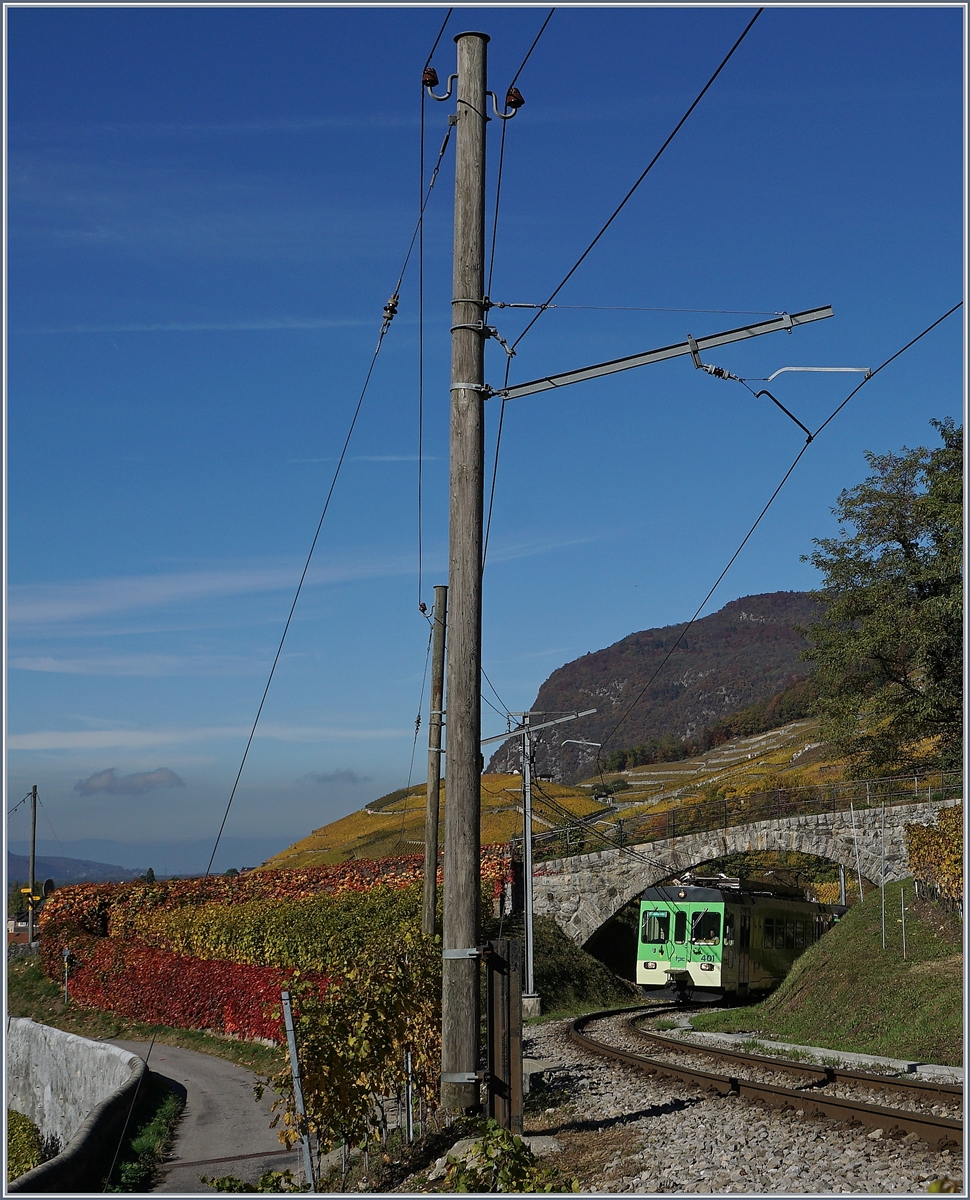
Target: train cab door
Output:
[{"x": 744, "y": 949}]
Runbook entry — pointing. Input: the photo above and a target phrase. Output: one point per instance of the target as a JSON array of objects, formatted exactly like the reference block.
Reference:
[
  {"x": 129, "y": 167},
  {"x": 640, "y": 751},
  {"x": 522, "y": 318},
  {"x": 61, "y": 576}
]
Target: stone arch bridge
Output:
[{"x": 582, "y": 892}]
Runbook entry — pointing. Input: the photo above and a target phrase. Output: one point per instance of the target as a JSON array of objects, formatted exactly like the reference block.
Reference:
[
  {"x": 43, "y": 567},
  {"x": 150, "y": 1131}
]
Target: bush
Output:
[
  {"x": 23, "y": 1145},
  {"x": 502, "y": 1162}
]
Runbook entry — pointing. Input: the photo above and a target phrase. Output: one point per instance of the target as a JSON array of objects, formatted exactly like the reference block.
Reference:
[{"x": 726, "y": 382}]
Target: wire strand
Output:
[
  {"x": 421, "y": 354},
  {"x": 299, "y": 588},
  {"x": 619, "y": 208},
  {"x": 414, "y": 744},
  {"x": 506, "y": 711},
  {"x": 427, "y": 61},
  {"x": 542, "y": 30}
]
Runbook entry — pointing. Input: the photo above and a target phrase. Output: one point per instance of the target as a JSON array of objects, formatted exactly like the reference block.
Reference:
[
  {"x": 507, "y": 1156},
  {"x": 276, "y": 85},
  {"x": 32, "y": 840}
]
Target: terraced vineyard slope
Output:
[{"x": 395, "y": 823}]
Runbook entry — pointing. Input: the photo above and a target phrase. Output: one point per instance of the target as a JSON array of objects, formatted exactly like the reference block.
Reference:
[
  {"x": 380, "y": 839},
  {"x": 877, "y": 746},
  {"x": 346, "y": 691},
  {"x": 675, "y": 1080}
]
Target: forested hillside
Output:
[{"x": 745, "y": 653}]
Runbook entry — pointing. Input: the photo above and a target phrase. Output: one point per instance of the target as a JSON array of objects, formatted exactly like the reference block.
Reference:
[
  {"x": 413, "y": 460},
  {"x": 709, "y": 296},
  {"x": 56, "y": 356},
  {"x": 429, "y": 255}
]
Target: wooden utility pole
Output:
[
  {"x": 33, "y": 863},
  {"x": 439, "y": 617},
  {"x": 462, "y": 860},
  {"x": 530, "y": 1000}
]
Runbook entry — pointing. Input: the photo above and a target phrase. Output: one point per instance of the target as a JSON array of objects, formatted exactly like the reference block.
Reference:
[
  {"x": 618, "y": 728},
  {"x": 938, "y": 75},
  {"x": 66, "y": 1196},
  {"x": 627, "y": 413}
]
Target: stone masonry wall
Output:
[{"x": 581, "y": 893}]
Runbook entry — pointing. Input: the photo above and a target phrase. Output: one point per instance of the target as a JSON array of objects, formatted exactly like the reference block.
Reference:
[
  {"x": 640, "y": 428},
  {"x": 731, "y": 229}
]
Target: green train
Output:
[{"x": 723, "y": 937}]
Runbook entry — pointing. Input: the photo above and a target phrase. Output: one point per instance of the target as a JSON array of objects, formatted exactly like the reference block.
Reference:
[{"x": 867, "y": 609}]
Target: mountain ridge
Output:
[{"x": 745, "y": 653}]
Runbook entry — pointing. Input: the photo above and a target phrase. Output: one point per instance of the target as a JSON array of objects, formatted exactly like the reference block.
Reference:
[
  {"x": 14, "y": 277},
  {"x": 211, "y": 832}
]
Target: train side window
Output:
[
  {"x": 789, "y": 935},
  {"x": 680, "y": 927},
  {"x": 705, "y": 928},
  {"x": 769, "y": 933},
  {"x": 729, "y": 929},
  {"x": 656, "y": 928},
  {"x": 799, "y": 935}
]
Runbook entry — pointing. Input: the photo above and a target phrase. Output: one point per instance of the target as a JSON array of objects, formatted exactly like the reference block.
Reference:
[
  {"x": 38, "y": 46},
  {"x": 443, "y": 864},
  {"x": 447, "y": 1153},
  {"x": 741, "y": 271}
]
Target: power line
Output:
[
  {"x": 758, "y": 520},
  {"x": 427, "y": 61},
  {"x": 542, "y": 30},
  {"x": 390, "y": 309},
  {"x": 414, "y": 744},
  {"x": 11, "y": 811},
  {"x": 619, "y": 208},
  {"x": 299, "y": 587},
  {"x": 506, "y": 711}
]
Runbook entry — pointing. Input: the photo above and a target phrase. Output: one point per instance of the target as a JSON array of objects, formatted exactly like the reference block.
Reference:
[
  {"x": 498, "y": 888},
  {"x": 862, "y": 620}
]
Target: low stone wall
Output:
[{"x": 78, "y": 1093}]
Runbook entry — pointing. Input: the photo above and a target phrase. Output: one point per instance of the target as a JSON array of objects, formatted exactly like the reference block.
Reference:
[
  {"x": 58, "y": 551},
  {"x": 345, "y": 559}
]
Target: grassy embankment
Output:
[
  {"x": 31, "y": 994},
  {"x": 847, "y": 993}
]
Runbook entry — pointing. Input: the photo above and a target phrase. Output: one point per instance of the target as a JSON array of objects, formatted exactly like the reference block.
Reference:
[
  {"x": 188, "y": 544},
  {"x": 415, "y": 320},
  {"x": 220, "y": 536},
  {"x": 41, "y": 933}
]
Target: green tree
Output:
[{"x": 888, "y": 649}]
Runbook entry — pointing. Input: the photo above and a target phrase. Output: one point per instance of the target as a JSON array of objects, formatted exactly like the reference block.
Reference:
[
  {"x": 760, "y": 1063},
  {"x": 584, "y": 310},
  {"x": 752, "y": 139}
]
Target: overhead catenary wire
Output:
[
  {"x": 506, "y": 711},
  {"x": 757, "y": 522},
  {"x": 488, "y": 285},
  {"x": 646, "y": 171},
  {"x": 414, "y": 743}
]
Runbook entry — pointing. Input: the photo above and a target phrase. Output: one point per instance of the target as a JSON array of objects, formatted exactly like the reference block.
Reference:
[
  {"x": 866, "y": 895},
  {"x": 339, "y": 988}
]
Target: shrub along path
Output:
[{"x": 221, "y": 1121}]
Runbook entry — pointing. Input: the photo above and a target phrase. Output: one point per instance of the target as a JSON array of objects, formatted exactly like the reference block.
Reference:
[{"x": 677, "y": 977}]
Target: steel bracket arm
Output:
[{"x": 692, "y": 347}]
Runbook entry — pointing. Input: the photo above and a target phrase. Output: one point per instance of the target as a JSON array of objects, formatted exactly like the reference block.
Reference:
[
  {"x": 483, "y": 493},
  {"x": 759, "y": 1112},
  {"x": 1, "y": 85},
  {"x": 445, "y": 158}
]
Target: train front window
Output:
[
  {"x": 656, "y": 928},
  {"x": 680, "y": 927},
  {"x": 705, "y": 928}
]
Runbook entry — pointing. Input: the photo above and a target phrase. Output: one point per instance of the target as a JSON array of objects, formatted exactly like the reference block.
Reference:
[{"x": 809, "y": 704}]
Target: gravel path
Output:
[{"x": 623, "y": 1131}]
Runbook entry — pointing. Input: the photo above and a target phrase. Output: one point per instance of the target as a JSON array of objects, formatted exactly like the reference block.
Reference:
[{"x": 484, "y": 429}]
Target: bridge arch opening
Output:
[{"x": 810, "y": 876}]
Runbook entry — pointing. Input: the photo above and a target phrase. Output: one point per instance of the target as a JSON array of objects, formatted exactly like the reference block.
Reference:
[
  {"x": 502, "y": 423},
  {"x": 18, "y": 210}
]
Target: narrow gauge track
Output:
[{"x": 936, "y": 1131}]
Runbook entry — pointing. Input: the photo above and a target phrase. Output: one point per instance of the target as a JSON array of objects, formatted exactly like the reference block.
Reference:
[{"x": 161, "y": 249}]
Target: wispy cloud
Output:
[
  {"x": 266, "y": 324},
  {"x": 150, "y": 665},
  {"x": 135, "y": 784},
  {"x": 118, "y": 739},
  {"x": 56, "y": 602}
]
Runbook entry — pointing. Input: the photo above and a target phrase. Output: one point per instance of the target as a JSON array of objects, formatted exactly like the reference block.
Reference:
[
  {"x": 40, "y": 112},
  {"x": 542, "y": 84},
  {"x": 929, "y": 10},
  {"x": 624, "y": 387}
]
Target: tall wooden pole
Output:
[
  {"x": 462, "y": 860},
  {"x": 33, "y": 863},
  {"x": 440, "y": 617},
  {"x": 529, "y": 997}
]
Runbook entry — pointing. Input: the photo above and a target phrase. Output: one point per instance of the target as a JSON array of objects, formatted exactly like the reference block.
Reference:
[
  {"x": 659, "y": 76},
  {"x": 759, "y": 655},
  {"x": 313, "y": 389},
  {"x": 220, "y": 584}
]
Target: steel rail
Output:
[
  {"x": 823, "y": 1073},
  {"x": 936, "y": 1132}
]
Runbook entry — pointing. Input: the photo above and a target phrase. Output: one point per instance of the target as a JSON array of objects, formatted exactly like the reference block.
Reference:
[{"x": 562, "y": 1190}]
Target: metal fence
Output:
[{"x": 582, "y": 835}]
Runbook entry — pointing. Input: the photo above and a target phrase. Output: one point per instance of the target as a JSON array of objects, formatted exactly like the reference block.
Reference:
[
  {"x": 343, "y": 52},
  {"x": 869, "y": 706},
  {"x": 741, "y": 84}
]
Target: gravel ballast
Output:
[{"x": 625, "y": 1131}]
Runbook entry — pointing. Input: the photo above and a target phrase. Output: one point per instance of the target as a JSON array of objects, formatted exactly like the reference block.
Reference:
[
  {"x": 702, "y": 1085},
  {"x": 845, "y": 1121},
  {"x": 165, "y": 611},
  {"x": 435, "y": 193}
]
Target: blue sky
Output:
[{"x": 208, "y": 209}]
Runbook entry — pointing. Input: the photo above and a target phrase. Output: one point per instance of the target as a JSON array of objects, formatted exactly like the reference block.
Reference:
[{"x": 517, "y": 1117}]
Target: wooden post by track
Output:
[
  {"x": 503, "y": 1006},
  {"x": 430, "y": 905},
  {"x": 462, "y": 857}
]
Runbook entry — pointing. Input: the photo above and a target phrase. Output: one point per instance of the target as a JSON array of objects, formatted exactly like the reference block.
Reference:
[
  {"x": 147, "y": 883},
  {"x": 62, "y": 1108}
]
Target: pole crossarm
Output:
[
  {"x": 693, "y": 346},
  {"x": 503, "y": 737}
]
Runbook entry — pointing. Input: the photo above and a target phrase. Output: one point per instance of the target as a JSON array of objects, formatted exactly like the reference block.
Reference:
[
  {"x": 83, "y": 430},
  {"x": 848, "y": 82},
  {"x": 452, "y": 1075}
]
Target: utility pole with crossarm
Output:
[{"x": 460, "y": 1076}]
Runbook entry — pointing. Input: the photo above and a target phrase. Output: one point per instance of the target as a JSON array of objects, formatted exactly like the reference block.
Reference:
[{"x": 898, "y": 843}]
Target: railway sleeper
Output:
[{"x": 936, "y": 1132}]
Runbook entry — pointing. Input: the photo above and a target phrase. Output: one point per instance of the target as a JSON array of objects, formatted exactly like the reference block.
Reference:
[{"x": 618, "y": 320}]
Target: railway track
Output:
[{"x": 748, "y": 1080}]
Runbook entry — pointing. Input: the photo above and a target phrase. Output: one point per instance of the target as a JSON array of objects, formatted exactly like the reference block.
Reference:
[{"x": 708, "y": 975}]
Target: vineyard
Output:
[
  {"x": 214, "y": 953},
  {"x": 935, "y": 854}
]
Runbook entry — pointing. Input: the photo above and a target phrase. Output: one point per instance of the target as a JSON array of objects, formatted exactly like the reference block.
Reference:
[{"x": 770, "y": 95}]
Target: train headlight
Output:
[
  {"x": 650, "y": 966},
  {"x": 707, "y": 966}
]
